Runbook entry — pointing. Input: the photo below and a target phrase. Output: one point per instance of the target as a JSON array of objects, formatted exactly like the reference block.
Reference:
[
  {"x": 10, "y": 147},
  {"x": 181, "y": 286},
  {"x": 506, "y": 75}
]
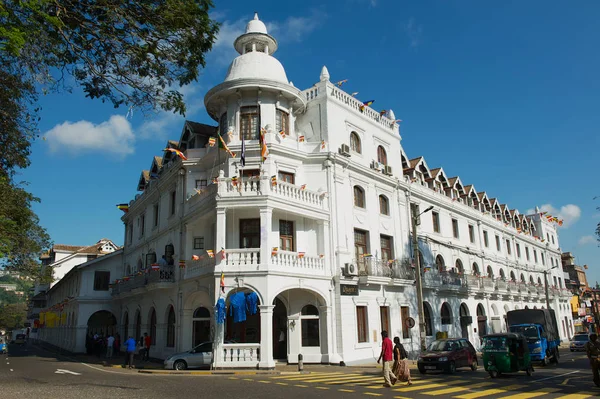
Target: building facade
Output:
[{"x": 294, "y": 212}]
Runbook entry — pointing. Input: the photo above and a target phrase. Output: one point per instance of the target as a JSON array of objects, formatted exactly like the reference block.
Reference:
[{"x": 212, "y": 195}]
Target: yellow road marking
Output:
[
  {"x": 350, "y": 380},
  {"x": 248, "y": 379},
  {"x": 324, "y": 388},
  {"x": 304, "y": 376},
  {"x": 373, "y": 394},
  {"x": 411, "y": 388},
  {"x": 575, "y": 396},
  {"x": 233, "y": 378},
  {"x": 446, "y": 391},
  {"x": 487, "y": 392},
  {"x": 346, "y": 390},
  {"x": 264, "y": 382},
  {"x": 336, "y": 378},
  {"x": 528, "y": 395},
  {"x": 281, "y": 383},
  {"x": 301, "y": 386}
]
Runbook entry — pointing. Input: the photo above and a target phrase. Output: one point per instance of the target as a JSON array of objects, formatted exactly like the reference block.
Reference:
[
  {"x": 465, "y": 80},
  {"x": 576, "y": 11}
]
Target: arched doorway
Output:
[
  {"x": 439, "y": 263},
  {"x": 138, "y": 326},
  {"x": 125, "y": 327},
  {"x": 153, "y": 326},
  {"x": 481, "y": 321},
  {"x": 459, "y": 267},
  {"x": 102, "y": 322},
  {"x": 465, "y": 320},
  {"x": 170, "y": 327},
  {"x": 244, "y": 325},
  {"x": 428, "y": 321},
  {"x": 200, "y": 326},
  {"x": 446, "y": 314},
  {"x": 476, "y": 271},
  {"x": 280, "y": 315}
]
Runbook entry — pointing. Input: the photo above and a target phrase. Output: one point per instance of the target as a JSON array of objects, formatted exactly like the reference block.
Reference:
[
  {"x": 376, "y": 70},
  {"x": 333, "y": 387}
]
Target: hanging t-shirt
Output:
[
  {"x": 237, "y": 306},
  {"x": 251, "y": 302}
]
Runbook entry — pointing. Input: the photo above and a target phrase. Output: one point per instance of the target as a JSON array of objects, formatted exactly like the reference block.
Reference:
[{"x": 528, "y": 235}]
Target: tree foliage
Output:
[
  {"x": 13, "y": 316},
  {"x": 126, "y": 52},
  {"x": 129, "y": 53}
]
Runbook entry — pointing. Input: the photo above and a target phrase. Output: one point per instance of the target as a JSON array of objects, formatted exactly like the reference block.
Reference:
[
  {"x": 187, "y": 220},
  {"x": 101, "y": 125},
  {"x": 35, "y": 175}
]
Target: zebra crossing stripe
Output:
[
  {"x": 533, "y": 394},
  {"x": 487, "y": 392}
]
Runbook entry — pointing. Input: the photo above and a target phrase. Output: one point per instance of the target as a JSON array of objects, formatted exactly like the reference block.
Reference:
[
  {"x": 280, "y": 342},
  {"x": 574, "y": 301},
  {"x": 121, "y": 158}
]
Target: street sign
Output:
[{"x": 410, "y": 322}]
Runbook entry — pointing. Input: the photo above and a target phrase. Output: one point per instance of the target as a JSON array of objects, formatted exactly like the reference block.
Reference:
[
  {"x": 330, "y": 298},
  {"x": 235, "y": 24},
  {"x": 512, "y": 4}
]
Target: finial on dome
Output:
[
  {"x": 324, "y": 74},
  {"x": 255, "y": 16},
  {"x": 537, "y": 210},
  {"x": 391, "y": 115}
]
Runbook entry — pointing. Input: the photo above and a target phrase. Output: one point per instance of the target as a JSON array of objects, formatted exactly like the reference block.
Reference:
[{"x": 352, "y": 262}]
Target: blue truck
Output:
[{"x": 541, "y": 331}]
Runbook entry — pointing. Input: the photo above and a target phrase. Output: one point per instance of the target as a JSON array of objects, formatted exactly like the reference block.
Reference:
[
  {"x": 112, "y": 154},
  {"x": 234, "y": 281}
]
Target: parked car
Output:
[
  {"x": 578, "y": 342},
  {"x": 199, "y": 356},
  {"x": 448, "y": 355},
  {"x": 20, "y": 339}
]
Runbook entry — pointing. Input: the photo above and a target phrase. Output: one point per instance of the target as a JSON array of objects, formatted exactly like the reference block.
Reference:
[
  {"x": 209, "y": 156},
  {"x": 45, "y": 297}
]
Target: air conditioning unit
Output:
[
  {"x": 387, "y": 170},
  {"x": 376, "y": 165},
  {"x": 350, "y": 270},
  {"x": 344, "y": 150}
]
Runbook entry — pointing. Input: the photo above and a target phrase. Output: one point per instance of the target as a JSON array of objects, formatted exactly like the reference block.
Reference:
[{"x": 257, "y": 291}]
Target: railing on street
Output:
[{"x": 238, "y": 355}]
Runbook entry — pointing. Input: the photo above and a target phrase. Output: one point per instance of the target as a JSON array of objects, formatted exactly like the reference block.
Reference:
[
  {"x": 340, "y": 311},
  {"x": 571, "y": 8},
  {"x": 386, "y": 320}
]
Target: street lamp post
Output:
[
  {"x": 417, "y": 260},
  {"x": 546, "y": 285}
]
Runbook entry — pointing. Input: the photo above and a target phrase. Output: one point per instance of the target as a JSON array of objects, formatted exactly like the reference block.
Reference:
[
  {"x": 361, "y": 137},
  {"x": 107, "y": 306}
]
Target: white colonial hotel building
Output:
[{"x": 481, "y": 258}]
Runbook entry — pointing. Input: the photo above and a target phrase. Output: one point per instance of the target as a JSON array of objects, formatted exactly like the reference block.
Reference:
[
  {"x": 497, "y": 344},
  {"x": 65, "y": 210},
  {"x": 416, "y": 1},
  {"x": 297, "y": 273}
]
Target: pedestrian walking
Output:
[
  {"x": 592, "y": 349},
  {"x": 147, "y": 344},
  {"x": 130, "y": 346},
  {"x": 110, "y": 346},
  {"x": 387, "y": 356},
  {"x": 401, "y": 368}
]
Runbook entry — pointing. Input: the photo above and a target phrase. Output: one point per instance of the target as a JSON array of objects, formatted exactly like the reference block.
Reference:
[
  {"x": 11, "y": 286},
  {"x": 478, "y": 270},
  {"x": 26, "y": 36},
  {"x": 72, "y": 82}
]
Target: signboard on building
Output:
[{"x": 346, "y": 289}]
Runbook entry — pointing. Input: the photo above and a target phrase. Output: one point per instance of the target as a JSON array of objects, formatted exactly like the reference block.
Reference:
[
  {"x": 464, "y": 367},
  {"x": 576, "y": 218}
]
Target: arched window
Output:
[
  {"x": 140, "y": 265},
  {"x": 459, "y": 267},
  {"x": 502, "y": 275},
  {"x": 355, "y": 142},
  {"x": 531, "y": 280},
  {"x": 309, "y": 317},
  {"x": 381, "y": 155},
  {"x": 359, "y": 197},
  {"x": 490, "y": 272},
  {"x": 201, "y": 313},
  {"x": 428, "y": 321},
  {"x": 513, "y": 278},
  {"x": 384, "y": 205},
  {"x": 446, "y": 314},
  {"x": 169, "y": 252},
  {"x": 476, "y": 271},
  {"x": 125, "y": 327},
  {"x": 539, "y": 280},
  {"x": 153, "y": 326},
  {"x": 171, "y": 328},
  {"x": 523, "y": 278},
  {"x": 201, "y": 326},
  {"x": 439, "y": 263},
  {"x": 138, "y": 326}
]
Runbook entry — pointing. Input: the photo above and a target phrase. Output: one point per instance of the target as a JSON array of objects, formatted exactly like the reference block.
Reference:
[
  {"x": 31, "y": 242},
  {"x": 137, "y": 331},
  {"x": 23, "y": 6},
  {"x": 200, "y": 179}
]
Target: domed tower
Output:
[{"x": 256, "y": 92}]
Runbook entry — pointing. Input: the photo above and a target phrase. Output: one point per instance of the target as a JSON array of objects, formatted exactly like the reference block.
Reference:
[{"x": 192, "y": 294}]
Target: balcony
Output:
[
  {"x": 291, "y": 262},
  {"x": 446, "y": 281},
  {"x": 149, "y": 280},
  {"x": 287, "y": 193},
  {"x": 378, "y": 271}
]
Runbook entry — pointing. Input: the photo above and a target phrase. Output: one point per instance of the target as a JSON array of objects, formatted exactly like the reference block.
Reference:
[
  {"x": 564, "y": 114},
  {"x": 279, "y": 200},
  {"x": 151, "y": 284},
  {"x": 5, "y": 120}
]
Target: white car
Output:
[{"x": 200, "y": 356}]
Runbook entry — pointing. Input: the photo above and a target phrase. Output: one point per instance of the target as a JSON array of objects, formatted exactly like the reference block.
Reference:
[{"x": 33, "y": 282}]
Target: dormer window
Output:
[
  {"x": 282, "y": 122},
  {"x": 355, "y": 143},
  {"x": 249, "y": 123},
  {"x": 381, "y": 155}
]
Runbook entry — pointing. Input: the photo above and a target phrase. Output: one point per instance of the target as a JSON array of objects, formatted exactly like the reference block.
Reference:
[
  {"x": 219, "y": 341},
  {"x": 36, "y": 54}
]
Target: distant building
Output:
[{"x": 8, "y": 287}]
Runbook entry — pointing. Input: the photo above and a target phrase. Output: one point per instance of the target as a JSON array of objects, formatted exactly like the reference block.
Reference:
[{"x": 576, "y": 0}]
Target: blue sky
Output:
[{"x": 503, "y": 95}]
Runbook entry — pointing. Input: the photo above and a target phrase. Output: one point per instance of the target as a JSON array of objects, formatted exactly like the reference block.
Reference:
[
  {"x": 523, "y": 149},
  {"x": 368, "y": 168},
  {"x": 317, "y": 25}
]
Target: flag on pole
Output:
[
  {"x": 210, "y": 253},
  {"x": 177, "y": 152},
  {"x": 301, "y": 255},
  {"x": 273, "y": 180},
  {"x": 212, "y": 141},
  {"x": 264, "y": 151},
  {"x": 223, "y": 256},
  {"x": 274, "y": 251},
  {"x": 301, "y": 139},
  {"x": 303, "y": 187},
  {"x": 282, "y": 134},
  {"x": 382, "y": 113},
  {"x": 224, "y": 146},
  {"x": 366, "y": 104},
  {"x": 243, "y": 155},
  {"x": 323, "y": 144},
  {"x": 222, "y": 283},
  {"x": 123, "y": 207},
  {"x": 340, "y": 83},
  {"x": 195, "y": 257}
]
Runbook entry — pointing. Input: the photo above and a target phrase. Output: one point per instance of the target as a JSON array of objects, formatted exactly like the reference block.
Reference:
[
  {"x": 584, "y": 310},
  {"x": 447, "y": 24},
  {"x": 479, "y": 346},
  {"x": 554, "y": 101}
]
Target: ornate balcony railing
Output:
[
  {"x": 238, "y": 356},
  {"x": 164, "y": 275},
  {"x": 242, "y": 257},
  {"x": 296, "y": 262},
  {"x": 382, "y": 268}
]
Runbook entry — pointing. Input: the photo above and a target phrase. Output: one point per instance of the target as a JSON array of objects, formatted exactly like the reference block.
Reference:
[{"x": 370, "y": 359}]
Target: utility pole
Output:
[{"x": 417, "y": 260}]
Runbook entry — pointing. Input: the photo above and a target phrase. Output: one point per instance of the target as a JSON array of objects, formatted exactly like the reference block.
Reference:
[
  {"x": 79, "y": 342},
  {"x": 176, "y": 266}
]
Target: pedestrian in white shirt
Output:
[{"x": 110, "y": 342}]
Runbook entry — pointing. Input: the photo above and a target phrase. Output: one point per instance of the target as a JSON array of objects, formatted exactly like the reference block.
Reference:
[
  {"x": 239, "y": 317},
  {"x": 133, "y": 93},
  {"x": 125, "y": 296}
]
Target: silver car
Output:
[
  {"x": 578, "y": 342},
  {"x": 200, "y": 356}
]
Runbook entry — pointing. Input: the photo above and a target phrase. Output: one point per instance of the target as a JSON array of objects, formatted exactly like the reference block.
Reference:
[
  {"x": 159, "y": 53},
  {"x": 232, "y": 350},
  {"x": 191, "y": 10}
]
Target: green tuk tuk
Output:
[{"x": 506, "y": 353}]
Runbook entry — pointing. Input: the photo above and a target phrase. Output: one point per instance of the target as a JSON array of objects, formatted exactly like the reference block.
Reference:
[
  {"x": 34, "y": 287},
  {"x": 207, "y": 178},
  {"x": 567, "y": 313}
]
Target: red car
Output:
[{"x": 448, "y": 355}]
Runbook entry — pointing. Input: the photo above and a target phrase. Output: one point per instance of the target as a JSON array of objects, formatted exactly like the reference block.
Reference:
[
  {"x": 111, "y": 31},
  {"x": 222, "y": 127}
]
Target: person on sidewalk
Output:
[
  {"x": 110, "y": 342},
  {"x": 401, "y": 368},
  {"x": 387, "y": 356},
  {"x": 592, "y": 349},
  {"x": 130, "y": 345},
  {"x": 147, "y": 343}
]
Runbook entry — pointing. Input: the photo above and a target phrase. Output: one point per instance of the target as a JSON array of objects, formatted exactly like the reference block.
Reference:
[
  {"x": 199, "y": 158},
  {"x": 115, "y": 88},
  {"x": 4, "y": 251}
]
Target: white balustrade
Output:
[
  {"x": 296, "y": 193},
  {"x": 238, "y": 355},
  {"x": 242, "y": 257},
  {"x": 290, "y": 261},
  {"x": 198, "y": 267}
]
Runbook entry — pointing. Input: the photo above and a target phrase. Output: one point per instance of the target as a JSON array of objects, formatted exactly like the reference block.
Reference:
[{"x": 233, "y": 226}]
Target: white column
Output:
[
  {"x": 326, "y": 334},
  {"x": 266, "y": 336},
  {"x": 220, "y": 235},
  {"x": 266, "y": 227}
]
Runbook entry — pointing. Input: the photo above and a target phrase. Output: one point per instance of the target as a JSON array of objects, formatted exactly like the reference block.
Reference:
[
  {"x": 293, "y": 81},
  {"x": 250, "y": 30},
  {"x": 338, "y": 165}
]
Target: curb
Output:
[{"x": 221, "y": 372}]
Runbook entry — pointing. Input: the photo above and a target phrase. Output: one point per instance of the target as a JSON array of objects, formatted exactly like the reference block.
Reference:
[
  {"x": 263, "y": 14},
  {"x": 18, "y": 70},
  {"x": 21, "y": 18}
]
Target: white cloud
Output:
[
  {"x": 587, "y": 240},
  {"x": 568, "y": 213},
  {"x": 414, "y": 32},
  {"x": 114, "y": 136},
  {"x": 295, "y": 29}
]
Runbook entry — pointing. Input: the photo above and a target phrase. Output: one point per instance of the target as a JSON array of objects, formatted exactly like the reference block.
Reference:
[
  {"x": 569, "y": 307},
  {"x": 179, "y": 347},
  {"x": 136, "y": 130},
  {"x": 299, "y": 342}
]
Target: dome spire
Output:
[{"x": 324, "y": 74}]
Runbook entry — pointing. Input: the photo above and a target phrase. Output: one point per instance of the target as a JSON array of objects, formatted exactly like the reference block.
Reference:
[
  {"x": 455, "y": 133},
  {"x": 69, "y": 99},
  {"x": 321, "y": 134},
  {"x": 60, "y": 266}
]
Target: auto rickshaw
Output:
[{"x": 506, "y": 353}]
